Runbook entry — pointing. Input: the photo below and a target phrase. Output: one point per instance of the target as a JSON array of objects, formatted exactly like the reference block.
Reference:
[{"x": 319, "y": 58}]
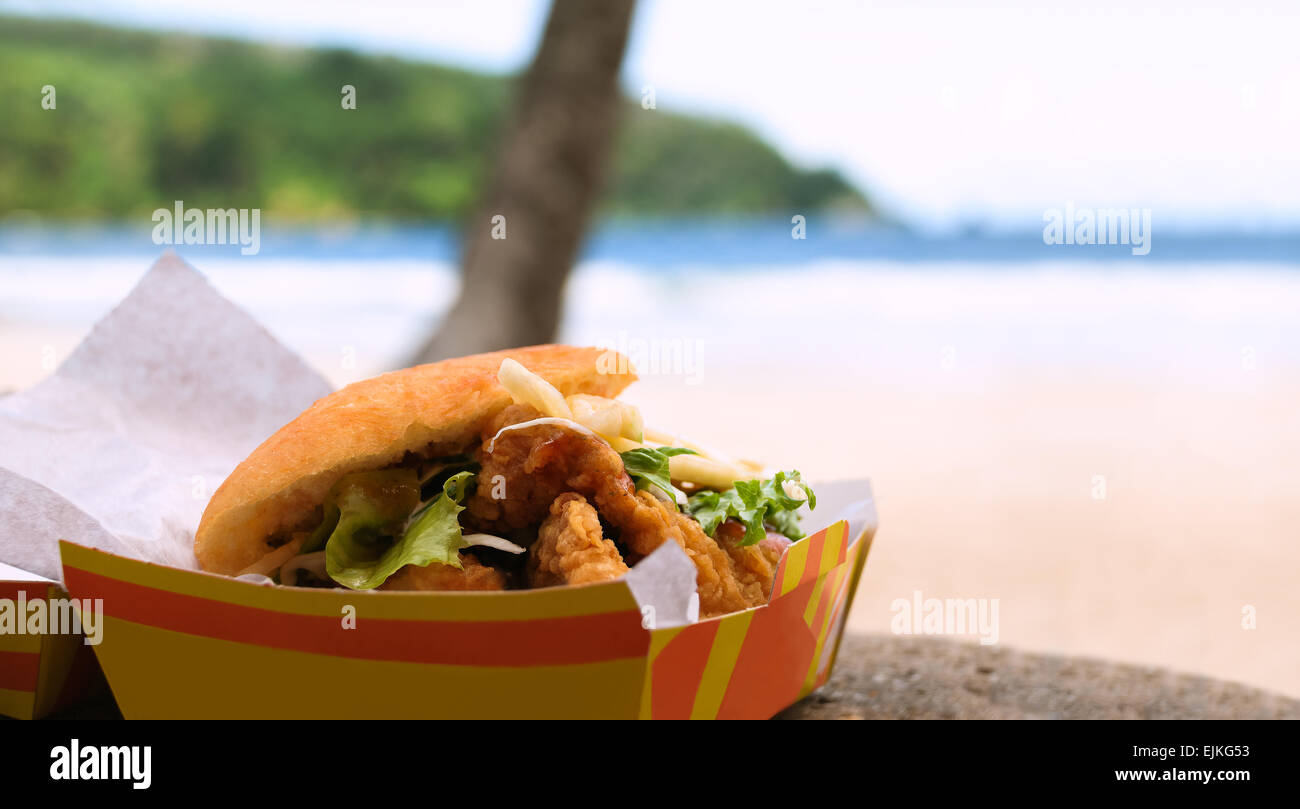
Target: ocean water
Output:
[{"x": 708, "y": 301}]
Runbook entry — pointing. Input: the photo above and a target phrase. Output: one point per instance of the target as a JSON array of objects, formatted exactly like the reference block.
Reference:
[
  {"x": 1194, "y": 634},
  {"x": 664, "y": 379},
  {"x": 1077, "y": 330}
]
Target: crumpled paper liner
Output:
[{"x": 121, "y": 448}]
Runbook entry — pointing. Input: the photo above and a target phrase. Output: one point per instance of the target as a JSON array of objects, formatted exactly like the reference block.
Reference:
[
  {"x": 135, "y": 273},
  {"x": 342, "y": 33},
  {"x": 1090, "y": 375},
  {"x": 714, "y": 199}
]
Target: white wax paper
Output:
[{"x": 122, "y": 446}]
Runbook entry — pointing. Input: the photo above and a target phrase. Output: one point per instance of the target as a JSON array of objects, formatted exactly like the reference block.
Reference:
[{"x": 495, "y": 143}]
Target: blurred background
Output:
[{"x": 817, "y": 230}]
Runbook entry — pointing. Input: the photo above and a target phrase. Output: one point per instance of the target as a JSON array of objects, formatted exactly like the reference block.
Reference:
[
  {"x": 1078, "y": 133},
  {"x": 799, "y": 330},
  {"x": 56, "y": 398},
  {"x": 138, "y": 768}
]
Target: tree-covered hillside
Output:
[{"x": 143, "y": 118}]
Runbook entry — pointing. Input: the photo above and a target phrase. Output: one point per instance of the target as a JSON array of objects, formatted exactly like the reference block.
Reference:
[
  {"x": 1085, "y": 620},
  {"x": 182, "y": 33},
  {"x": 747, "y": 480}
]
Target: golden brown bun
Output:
[{"x": 372, "y": 424}]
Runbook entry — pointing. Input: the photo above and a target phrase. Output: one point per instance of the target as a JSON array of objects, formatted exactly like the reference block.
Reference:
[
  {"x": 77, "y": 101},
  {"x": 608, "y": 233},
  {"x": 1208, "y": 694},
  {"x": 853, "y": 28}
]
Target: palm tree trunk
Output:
[{"x": 546, "y": 182}]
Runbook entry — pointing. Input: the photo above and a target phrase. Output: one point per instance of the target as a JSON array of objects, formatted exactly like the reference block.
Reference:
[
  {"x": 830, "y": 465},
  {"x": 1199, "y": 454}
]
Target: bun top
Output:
[{"x": 435, "y": 409}]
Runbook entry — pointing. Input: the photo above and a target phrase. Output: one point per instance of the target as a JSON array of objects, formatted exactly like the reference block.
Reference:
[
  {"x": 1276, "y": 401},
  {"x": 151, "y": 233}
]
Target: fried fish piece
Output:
[
  {"x": 523, "y": 473},
  {"x": 533, "y": 466},
  {"x": 646, "y": 522},
  {"x": 524, "y": 470},
  {"x": 473, "y": 575},
  {"x": 755, "y": 565},
  {"x": 570, "y": 548}
]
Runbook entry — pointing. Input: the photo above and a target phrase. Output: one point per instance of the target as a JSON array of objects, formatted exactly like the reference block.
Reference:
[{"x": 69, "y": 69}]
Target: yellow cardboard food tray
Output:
[
  {"x": 40, "y": 671},
  {"x": 181, "y": 643}
]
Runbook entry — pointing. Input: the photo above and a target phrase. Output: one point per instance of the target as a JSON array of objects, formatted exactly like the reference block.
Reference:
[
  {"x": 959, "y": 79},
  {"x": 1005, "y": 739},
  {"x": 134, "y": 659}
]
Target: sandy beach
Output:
[{"x": 989, "y": 494}]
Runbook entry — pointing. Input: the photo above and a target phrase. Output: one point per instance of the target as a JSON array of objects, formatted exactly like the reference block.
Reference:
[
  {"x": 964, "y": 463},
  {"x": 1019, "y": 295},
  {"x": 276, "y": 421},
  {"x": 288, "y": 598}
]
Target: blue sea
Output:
[{"x": 668, "y": 245}]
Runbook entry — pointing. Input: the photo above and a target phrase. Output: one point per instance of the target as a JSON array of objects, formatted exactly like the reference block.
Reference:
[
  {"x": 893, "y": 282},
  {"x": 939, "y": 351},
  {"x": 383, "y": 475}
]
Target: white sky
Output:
[{"x": 944, "y": 111}]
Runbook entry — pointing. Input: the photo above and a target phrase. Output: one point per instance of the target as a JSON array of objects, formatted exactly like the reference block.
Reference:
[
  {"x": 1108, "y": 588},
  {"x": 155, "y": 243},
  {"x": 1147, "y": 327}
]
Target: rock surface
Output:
[{"x": 889, "y": 677}]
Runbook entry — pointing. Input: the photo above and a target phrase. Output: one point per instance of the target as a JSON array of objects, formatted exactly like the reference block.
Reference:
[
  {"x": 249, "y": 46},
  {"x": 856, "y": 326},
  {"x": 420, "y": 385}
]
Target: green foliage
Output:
[
  {"x": 143, "y": 119},
  {"x": 672, "y": 163},
  {"x": 755, "y": 504}
]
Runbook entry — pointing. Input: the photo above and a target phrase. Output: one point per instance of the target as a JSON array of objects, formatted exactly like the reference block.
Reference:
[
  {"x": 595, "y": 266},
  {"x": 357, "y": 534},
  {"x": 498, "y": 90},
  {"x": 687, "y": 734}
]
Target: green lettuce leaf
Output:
[
  {"x": 648, "y": 466},
  {"x": 755, "y": 504},
  {"x": 368, "y": 503},
  {"x": 368, "y": 543}
]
